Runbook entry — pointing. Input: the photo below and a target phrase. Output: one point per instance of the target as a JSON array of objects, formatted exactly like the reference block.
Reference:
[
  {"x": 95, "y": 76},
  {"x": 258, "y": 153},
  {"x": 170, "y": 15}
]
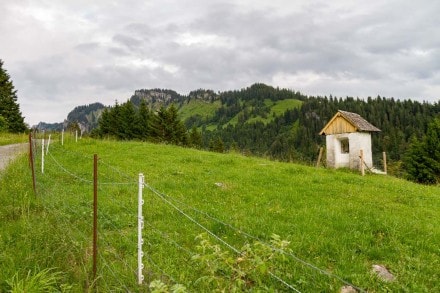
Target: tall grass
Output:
[
  {"x": 335, "y": 220},
  {"x": 12, "y": 138}
]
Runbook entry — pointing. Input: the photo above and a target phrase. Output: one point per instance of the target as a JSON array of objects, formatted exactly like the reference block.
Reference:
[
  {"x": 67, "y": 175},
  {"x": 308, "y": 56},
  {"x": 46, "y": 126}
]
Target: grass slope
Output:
[
  {"x": 277, "y": 108},
  {"x": 198, "y": 107},
  {"x": 12, "y": 138},
  {"x": 336, "y": 220}
]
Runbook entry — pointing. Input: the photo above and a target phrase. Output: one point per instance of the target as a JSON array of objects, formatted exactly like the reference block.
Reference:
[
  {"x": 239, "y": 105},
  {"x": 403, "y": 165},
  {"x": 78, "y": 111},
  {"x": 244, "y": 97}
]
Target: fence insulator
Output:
[{"x": 140, "y": 227}]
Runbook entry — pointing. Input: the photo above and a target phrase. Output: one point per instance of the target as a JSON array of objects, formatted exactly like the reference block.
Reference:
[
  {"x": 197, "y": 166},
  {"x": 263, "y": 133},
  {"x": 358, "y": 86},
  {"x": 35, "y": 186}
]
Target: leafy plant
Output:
[
  {"x": 47, "y": 280},
  {"x": 249, "y": 270},
  {"x": 158, "y": 286}
]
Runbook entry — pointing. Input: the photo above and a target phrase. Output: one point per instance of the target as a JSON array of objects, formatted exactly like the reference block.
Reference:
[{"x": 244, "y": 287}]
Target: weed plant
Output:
[{"x": 337, "y": 221}]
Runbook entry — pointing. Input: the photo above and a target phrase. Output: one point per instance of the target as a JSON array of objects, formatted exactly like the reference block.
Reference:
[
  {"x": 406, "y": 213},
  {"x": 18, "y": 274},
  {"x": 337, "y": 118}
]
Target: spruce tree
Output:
[
  {"x": 195, "y": 138},
  {"x": 9, "y": 108},
  {"x": 127, "y": 126},
  {"x": 422, "y": 160},
  {"x": 3, "y": 124},
  {"x": 143, "y": 121}
]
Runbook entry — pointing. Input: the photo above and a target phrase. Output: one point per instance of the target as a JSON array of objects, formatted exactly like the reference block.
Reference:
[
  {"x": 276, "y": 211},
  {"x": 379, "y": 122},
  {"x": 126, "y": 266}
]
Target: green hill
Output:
[
  {"x": 267, "y": 121},
  {"x": 335, "y": 220}
]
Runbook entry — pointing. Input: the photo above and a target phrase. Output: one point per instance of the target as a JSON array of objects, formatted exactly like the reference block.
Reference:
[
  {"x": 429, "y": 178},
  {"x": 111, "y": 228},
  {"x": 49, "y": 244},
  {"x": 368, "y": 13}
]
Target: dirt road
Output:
[{"x": 9, "y": 152}]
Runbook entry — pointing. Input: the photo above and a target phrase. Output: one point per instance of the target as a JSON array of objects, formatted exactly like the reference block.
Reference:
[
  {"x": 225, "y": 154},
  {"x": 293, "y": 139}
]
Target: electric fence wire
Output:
[
  {"x": 68, "y": 172},
  {"x": 155, "y": 265},
  {"x": 112, "y": 273},
  {"x": 208, "y": 231},
  {"x": 116, "y": 170},
  {"x": 95, "y": 282},
  {"x": 54, "y": 210},
  {"x": 51, "y": 208},
  {"x": 169, "y": 239},
  {"x": 212, "y": 218},
  {"x": 86, "y": 180},
  {"x": 112, "y": 199},
  {"x": 102, "y": 215},
  {"x": 104, "y": 238},
  {"x": 296, "y": 258}
]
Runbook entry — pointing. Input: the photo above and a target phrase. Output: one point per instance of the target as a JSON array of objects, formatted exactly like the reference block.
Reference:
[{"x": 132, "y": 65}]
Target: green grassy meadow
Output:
[
  {"x": 336, "y": 220},
  {"x": 11, "y": 138},
  {"x": 198, "y": 107}
]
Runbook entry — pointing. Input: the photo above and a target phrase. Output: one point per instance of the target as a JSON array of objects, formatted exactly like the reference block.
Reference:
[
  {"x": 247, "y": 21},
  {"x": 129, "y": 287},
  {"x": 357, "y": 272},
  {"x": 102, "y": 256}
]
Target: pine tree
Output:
[
  {"x": 3, "y": 124},
  {"x": 9, "y": 108},
  {"x": 159, "y": 128},
  {"x": 422, "y": 160},
  {"x": 127, "y": 126},
  {"x": 166, "y": 127},
  {"x": 104, "y": 123},
  {"x": 195, "y": 138},
  {"x": 143, "y": 121}
]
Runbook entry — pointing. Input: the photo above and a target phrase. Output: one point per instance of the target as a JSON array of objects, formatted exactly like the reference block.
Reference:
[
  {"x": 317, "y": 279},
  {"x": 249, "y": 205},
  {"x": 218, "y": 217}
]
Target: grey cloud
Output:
[
  {"x": 87, "y": 47},
  {"x": 127, "y": 41},
  {"x": 111, "y": 49}
]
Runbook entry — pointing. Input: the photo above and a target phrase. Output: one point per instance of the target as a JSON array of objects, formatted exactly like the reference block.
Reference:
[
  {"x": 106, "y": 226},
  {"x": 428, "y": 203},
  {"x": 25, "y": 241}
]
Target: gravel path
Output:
[{"x": 9, "y": 152}]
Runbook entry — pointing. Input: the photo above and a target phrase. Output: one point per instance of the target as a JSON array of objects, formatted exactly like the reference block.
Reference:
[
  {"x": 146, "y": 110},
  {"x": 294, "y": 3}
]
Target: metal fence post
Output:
[{"x": 140, "y": 227}]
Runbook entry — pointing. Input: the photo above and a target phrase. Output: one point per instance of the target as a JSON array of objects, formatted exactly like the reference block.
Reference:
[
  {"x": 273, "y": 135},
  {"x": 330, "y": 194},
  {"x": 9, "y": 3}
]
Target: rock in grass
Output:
[
  {"x": 383, "y": 273},
  {"x": 348, "y": 289}
]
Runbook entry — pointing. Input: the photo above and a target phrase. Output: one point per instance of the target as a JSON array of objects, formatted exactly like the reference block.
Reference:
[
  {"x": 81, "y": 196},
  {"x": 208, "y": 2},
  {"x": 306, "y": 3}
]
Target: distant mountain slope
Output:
[
  {"x": 258, "y": 102},
  {"x": 278, "y": 123},
  {"x": 86, "y": 116}
]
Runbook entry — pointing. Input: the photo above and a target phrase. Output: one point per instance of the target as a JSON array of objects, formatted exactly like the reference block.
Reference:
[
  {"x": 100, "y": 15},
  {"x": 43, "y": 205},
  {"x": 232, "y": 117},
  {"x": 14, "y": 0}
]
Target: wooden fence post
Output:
[
  {"x": 321, "y": 149},
  {"x": 384, "y": 154}
]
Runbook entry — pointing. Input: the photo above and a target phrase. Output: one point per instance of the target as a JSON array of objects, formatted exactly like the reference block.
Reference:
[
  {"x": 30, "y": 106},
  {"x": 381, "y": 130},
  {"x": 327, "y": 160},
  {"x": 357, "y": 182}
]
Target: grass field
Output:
[
  {"x": 198, "y": 107},
  {"x": 335, "y": 220},
  {"x": 11, "y": 138},
  {"x": 276, "y": 108}
]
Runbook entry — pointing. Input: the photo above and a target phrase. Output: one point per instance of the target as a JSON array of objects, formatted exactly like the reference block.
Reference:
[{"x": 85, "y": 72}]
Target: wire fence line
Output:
[
  {"x": 209, "y": 231},
  {"x": 304, "y": 262},
  {"x": 129, "y": 181}
]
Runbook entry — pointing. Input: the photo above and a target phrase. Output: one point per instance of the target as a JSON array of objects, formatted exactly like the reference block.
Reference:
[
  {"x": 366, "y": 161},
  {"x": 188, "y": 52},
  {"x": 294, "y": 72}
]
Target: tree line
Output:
[
  {"x": 129, "y": 122},
  {"x": 290, "y": 136}
]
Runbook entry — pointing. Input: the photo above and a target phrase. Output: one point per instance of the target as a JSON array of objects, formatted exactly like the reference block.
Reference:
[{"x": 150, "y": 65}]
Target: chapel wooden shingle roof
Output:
[{"x": 355, "y": 121}]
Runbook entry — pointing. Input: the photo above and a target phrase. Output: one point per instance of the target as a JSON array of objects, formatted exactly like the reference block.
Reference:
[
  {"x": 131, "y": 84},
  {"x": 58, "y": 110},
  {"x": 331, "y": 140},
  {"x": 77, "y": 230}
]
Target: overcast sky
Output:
[{"x": 61, "y": 54}]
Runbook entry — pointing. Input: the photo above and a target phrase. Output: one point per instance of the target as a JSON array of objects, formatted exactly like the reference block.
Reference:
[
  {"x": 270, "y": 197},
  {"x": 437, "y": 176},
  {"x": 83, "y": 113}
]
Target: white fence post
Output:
[
  {"x": 76, "y": 135},
  {"x": 42, "y": 155},
  {"x": 140, "y": 227},
  {"x": 48, "y": 143}
]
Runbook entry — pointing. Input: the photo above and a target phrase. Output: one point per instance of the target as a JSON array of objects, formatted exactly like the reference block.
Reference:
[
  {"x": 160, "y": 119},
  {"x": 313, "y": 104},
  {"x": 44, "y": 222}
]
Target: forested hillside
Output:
[{"x": 261, "y": 120}]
